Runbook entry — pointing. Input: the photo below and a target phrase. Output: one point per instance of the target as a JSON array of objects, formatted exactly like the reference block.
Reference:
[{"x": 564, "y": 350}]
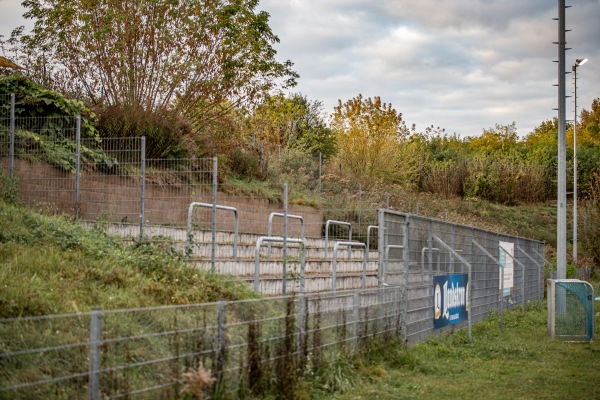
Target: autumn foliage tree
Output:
[
  {"x": 588, "y": 131},
  {"x": 292, "y": 122},
  {"x": 191, "y": 55},
  {"x": 368, "y": 133}
]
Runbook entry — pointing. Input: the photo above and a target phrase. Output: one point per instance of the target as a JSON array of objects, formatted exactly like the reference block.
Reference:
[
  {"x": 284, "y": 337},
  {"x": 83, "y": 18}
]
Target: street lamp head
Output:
[{"x": 580, "y": 62}]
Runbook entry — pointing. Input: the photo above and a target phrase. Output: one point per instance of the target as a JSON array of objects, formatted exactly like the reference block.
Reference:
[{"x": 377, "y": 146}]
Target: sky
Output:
[{"x": 461, "y": 65}]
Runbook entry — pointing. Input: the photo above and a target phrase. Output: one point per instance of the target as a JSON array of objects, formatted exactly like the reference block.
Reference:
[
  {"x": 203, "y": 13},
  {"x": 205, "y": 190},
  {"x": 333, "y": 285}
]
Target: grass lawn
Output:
[{"x": 518, "y": 362}]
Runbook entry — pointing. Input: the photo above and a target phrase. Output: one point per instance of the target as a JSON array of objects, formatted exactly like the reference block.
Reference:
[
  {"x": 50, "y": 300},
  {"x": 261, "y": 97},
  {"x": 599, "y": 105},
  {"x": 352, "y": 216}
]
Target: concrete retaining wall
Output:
[{"x": 118, "y": 199}]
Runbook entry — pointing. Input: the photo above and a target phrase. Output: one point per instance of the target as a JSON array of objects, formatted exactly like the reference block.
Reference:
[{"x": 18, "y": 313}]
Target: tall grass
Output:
[{"x": 51, "y": 265}]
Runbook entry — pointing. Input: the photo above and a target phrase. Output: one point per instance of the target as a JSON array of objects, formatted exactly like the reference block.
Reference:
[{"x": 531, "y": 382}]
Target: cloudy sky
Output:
[{"x": 463, "y": 65}]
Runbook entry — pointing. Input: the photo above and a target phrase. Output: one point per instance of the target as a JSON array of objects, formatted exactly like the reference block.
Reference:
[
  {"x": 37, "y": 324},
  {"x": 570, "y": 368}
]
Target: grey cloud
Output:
[{"x": 460, "y": 64}]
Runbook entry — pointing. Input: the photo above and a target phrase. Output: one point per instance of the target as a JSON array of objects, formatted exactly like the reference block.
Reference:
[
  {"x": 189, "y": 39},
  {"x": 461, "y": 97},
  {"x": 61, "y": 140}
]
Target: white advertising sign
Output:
[{"x": 507, "y": 252}]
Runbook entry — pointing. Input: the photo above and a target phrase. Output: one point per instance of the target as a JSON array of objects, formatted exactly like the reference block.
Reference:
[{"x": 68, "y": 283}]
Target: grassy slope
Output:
[
  {"x": 50, "y": 265},
  {"x": 519, "y": 362},
  {"x": 535, "y": 221}
]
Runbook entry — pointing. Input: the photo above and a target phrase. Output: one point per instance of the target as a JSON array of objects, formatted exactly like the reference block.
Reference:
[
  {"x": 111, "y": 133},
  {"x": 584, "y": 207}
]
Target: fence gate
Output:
[{"x": 570, "y": 310}]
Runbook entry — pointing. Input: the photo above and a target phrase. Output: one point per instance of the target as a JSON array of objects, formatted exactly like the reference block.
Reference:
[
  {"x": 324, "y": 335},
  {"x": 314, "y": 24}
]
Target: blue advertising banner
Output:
[{"x": 451, "y": 300}]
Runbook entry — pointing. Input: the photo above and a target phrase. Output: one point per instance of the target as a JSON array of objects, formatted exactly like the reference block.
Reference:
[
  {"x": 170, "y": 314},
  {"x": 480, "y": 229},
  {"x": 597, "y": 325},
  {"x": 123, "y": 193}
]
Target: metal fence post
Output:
[
  {"x": 77, "y": 162},
  {"x": 221, "y": 331},
  {"x": 12, "y": 136},
  {"x": 356, "y": 316},
  {"x": 381, "y": 248},
  {"x": 285, "y": 234},
  {"x": 213, "y": 250},
  {"x": 501, "y": 288},
  {"x": 523, "y": 283},
  {"x": 387, "y": 200},
  {"x": 399, "y": 313},
  {"x": 431, "y": 312},
  {"x": 95, "y": 342},
  {"x": 301, "y": 324},
  {"x": 142, "y": 186},
  {"x": 406, "y": 262},
  {"x": 540, "y": 279},
  {"x": 453, "y": 245}
]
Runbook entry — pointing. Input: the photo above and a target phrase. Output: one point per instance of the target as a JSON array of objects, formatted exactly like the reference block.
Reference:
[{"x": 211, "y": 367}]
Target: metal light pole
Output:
[
  {"x": 561, "y": 217},
  {"x": 578, "y": 62}
]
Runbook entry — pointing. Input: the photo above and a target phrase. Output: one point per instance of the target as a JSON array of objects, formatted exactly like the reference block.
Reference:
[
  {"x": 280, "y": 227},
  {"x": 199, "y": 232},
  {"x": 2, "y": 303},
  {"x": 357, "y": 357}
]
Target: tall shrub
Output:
[
  {"x": 167, "y": 134},
  {"x": 589, "y": 222}
]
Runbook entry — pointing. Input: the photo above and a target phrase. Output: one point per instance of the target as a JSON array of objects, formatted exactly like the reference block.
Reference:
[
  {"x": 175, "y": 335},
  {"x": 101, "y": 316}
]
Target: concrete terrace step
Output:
[
  {"x": 179, "y": 235},
  {"x": 204, "y": 250},
  {"x": 272, "y": 286},
  {"x": 318, "y": 273},
  {"x": 274, "y": 267}
]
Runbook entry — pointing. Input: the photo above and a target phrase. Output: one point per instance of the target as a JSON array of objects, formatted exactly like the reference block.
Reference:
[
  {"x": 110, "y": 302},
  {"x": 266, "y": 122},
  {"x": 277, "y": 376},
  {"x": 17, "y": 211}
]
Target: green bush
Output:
[
  {"x": 62, "y": 153},
  {"x": 243, "y": 162},
  {"x": 168, "y": 135},
  {"x": 9, "y": 189},
  {"x": 589, "y": 222},
  {"x": 32, "y": 100},
  {"x": 506, "y": 179},
  {"x": 444, "y": 177},
  {"x": 296, "y": 168}
]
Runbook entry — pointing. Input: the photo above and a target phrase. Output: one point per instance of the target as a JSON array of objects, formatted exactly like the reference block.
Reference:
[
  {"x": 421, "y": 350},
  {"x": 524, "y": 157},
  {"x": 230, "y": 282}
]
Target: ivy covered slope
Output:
[
  {"x": 45, "y": 126},
  {"x": 32, "y": 100},
  {"x": 50, "y": 265}
]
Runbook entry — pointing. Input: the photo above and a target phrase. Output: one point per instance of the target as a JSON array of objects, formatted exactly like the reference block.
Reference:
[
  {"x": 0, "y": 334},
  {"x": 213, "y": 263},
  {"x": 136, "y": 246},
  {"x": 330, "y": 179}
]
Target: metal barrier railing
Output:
[
  {"x": 341, "y": 223},
  {"x": 188, "y": 243},
  {"x": 283, "y": 215},
  {"x": 278, "y": 239},
  {"x": 334, "y": 265}
]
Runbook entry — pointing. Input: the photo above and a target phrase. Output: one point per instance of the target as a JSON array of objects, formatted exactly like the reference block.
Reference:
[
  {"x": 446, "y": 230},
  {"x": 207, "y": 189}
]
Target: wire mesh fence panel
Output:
[
  {"x": 5, "y": 124},
  {"x": 392, "y": 255},
  {"x": 5, "y": 134},
  {"x": 45, "y": 357},
  {"x": 110, "y": 185},
  {"x": 43, "y": 160},
  {"x": 171, "y": 186},
  {"x": 255, "y": 205},
  {"x": 232, "y": 349},
  {"x": 147, "y": 352},
  {"x": 428, "y": 251},
  {"x": 485, "y": 296},
  {"x": 354, "y": 206}
]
